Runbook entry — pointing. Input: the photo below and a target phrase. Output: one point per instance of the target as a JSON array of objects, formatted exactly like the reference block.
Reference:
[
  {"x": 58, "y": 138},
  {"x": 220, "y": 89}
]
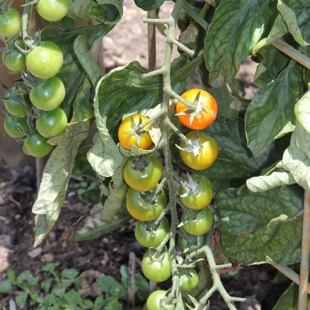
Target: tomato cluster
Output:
[
  {"x": 146, "y": 199},
  {"x": 32, "y": 107}
]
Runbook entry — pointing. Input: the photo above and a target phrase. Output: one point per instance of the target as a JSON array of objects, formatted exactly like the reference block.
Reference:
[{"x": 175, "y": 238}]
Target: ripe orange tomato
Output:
[
  {"x": 205, "y": 101},
  {"x": 127, "y": 140}
]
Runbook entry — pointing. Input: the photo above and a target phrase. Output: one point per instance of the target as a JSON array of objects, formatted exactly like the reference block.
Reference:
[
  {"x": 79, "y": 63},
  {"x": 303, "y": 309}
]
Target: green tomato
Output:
[
  {"x": 157, "y": 270},
  {"x": 143, "y": 210},
  {"x": 154, "y": 301},
  {"x": 52, "y": 124},
  {"x": 16, "y": 127},
  {"x": 10, "y": 23},
  {"x": 151, "y": 238},
  {"x": 53, "y": 10},
  {"x": 200, "y": 225},
  {"x": 196, "y": 192},
  {"x": 189, "y": 280},
  {"x": 19, "y": 104},
  {"x": 190, "y": 247},
  {"x": 146, "y": 179},
  {"x": 48, "y": 94},
  {"x": 15, "y": 61},
  {"x": 45, "y": 60},
  {"x": 36, "y": 145}
]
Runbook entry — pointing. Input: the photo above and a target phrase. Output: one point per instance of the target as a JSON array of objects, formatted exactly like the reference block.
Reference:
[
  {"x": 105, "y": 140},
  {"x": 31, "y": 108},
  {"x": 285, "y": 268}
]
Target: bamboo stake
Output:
[
  {"x": 151, "y": 35},
  {"x": 305, "y": 250}
]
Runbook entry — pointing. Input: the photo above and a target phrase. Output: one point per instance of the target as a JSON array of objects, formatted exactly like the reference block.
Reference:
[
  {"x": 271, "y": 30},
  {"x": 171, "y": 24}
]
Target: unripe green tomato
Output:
[
  {"x": 53, "y": 10},
  {"x": 52, "y": 124},
  {"x": 16, "y": 127},
  {"x": 15, "y": 61},
  {"x": 36, "y": 145},
  {"x": 154, "y": 301},
  {"x": 20, "y": 105},
  {"x": 48, "y": 94},
  {"x": 45, "y": 60},
  {"x": 189, "y": 280},
  {"x": 10, "y": 23}
]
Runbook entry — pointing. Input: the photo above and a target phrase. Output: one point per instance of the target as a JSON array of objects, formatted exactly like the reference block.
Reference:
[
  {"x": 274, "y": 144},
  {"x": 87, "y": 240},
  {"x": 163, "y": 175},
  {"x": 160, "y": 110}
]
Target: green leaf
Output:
[
  {"x": 5, "y": 286},
  {"x": 50, "y": 267},
  {"x": 55, "y": 180},
  {"x": 260, "y": 224},
  {"x": 33, "y": 281},
  {"x": 108, "y": 284},
  {"x": 91, "y": 196},
  {"x": 81, "y": 164},
  {"x": 87, "y": 59},
  {"x": 148, "y": 5},
  {"x": 11, "y": 275},
  {"x": 22, "y": 277},
  {"x": 235, "y": 28},
  {"x": 272, "y": 64},
  {"x": 21, "y": 299},
  {"x": 73, "y": 298},
  {"x": 69, "y": 274},
  {"x": 296, "y": 158},
  {"x": 289, "y": 299},
  {"x": 272, "y": 109},
  {"x": 46, "y": 284},
  {"x": 266, "y": 182},
  {"x": 302, "y": 111},
  {"x": 94, "y": 227}
]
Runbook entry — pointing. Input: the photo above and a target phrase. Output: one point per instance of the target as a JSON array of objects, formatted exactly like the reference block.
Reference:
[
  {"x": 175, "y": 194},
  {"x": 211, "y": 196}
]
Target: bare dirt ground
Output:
[{"x": 107, "y": 253}]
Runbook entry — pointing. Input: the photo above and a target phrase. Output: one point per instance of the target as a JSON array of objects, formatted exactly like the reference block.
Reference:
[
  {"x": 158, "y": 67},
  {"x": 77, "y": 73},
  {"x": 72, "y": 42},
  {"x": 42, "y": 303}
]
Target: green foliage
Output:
[{"x": 61, "y": 290}]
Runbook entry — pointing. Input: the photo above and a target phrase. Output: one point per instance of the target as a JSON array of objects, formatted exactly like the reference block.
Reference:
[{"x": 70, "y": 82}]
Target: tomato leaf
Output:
[
  {"x": 148, "y": 5},
  {"x": 81, "y": 164},
  {"x": 55, "y": 180},
  {"x": 94, "y": 227},
  {"x": 235, "y": 28},
  {"x": 260, "y": 224},
  {"x": 302, "y": 111},
  {"x": 272, "y": 108}
]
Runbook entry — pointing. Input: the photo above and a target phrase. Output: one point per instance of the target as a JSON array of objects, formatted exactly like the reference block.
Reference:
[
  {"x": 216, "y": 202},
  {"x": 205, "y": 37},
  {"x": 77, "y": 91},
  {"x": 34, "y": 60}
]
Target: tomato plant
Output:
[
  {"x": 18, "y": 102},
  {"x": 53, "y": 10},
  {"x": 16, "y": 60},
  {"x": 45, "y": 60},
  {"x": 10, "y": 23},
  {"x": 206, "y": 105},
  {"x": 143, "y": 206},
  {"x": 189, "y": 280},
  {"x": 151, "y": 237},
  {"x": 190, "y": 247},
  {"x": 51, "y": 124},
  {"x": 196, "y": 192},
  {"x": 201, "y": 153},
  {"x": 37, "y": 146},
  {"x": 16, "y": 127},
  {"x": 145, "y": 179},
  {"x": 156, "y": 269},
  {"x": 200, "y": 225}
]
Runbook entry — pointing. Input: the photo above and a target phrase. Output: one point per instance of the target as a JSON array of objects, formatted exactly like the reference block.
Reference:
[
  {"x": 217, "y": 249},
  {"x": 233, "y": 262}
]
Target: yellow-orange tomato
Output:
[
  {"x": 127, "y": 140},
  {"x": 206, "y": 101}
]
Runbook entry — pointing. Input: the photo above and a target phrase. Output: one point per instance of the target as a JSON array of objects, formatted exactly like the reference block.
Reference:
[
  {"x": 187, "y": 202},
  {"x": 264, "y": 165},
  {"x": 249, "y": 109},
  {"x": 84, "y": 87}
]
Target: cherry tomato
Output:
[
  {"x": 189, "y": 280},
  {"x": 10, "y": 23},
  {"x": 53, "y": 10},
  {"x": 143, "y": 210},
  {"x": 146, "y": 179},
  {"x": 190, "y": 247},
  {"x": 19, "y": 104},
  {"x": 48, "y": 94},
  {"x": 36, "y": 145},
  {"x": 16, "y": 127},
  {"x": 200, "y": 225},
  {"x": 196, "y": 192},
  {"x": 15, "y": 61},
  {"x": 157, "y": 270},
  {"x": 154, "y": 301},
  {"x": 127, "y": 140},
  {"x": 151, "y": 238},
  {"x": 205, "y": 101},
  {"x": 52, "y": 123},
  {"x": 45, "y": 60},
  {"x": 207, "y": 150}
]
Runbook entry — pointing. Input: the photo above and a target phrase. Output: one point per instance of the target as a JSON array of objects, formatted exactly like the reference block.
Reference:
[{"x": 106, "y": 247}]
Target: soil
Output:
[{"x": 107, "y": 253}]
